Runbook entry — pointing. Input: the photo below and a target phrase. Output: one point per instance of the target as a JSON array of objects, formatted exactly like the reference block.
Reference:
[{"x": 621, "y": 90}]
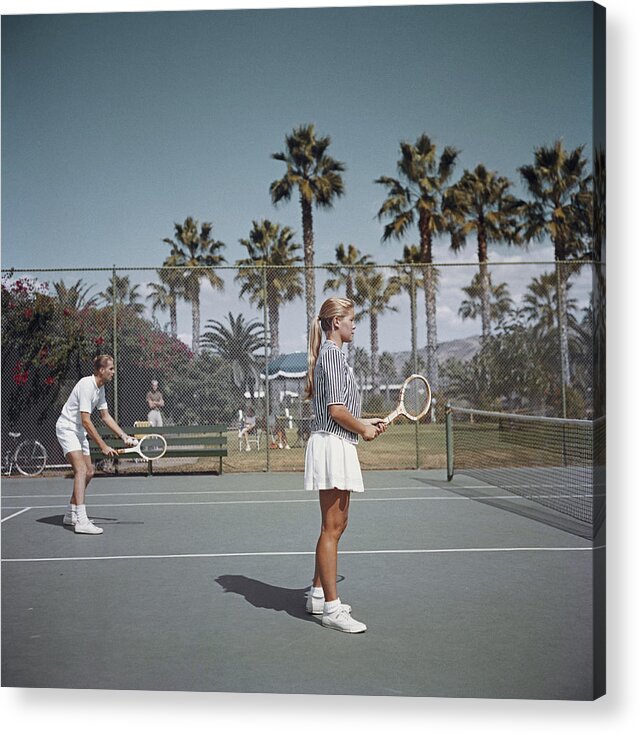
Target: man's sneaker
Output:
[
  {"x": 88, "y": 528},
  {"x": 341, "y": 620},
  {"x": 315, "y": 605},
  {"x": 70, "y": 518}
]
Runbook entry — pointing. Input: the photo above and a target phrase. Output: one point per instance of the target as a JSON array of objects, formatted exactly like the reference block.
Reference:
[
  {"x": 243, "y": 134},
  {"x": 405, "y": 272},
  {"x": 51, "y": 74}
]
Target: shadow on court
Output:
[
  {"x": 57, "y": 520},
  {"x": 267, "y": 596}
]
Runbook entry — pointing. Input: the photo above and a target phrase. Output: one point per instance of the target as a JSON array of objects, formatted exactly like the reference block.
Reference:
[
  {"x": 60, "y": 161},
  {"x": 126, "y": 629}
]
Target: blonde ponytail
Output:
[{"x": 331, "y": 308}]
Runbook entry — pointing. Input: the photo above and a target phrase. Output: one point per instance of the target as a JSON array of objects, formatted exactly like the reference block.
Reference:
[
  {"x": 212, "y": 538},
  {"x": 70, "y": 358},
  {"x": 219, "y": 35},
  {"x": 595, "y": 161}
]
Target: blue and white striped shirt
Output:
[{"x": 334, "y": 384}]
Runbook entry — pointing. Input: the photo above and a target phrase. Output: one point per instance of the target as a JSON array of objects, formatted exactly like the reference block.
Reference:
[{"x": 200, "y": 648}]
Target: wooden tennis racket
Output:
[
  {"x": 149, "y": 448},
  {"x": 414, "y": 399}
]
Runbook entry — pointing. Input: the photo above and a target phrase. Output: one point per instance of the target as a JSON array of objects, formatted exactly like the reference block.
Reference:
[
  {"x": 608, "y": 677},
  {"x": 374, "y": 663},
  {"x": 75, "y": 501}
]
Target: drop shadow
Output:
[
  {"x": 57, "y": 520},
  {"x": 266, "y": 596}
]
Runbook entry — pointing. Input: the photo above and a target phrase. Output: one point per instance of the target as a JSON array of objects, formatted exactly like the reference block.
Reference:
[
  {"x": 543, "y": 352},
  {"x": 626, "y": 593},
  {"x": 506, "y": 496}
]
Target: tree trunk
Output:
[
  {"x": 562, "y": 315},
  {"x": 309, "y": 273},
  {"x": 430, "y": 282},
  {"x": 350, "y": 296},
  {"x": 374, "y": 355},
  {"x": 484, "y": 281},
  {"x": 413, "y": 319},
  {"x": 431, "y": 328},
  {"x": 173, "y": 313},
  {"x": 196, "y": 318},
  {"x": 274, "y": 327}
]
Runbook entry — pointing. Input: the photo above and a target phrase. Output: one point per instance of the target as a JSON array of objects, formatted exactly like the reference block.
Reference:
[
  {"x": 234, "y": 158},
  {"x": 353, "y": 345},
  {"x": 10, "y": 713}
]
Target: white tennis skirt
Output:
[{"x": 331, "y": 463}]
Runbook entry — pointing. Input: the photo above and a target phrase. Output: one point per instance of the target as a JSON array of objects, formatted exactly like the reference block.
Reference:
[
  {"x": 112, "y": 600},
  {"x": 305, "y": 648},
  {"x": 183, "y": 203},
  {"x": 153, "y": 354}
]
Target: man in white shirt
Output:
[{"x": 72, "y": 428}]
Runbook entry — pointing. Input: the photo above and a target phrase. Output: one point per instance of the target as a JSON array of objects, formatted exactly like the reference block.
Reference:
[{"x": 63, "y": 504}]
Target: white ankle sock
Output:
[
  {"x": 317, "y": 592},
  {"x": 331, "y": 606},
  {"x": 71, "y": 508},
  {"x": 82, "y": 513}
]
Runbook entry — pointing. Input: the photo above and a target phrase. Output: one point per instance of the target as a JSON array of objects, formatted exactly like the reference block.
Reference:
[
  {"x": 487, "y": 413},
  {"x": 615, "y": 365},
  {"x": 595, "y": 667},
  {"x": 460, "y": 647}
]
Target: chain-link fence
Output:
[{"x": 227, "y": 345}]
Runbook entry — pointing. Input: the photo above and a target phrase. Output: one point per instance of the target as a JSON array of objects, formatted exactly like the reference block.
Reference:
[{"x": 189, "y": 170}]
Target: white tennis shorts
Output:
[
  {"x": 71, "y": 438},
  {"x": 331, "y": 463}
]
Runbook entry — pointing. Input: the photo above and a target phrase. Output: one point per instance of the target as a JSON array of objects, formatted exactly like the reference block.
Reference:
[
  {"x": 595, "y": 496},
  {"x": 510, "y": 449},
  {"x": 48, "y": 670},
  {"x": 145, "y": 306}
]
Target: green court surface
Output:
[{"x": 198, "y": 584}]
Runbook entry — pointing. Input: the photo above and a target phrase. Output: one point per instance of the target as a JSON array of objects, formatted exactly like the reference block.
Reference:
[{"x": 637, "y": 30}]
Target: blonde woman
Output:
[{"x": 331, "y": 463}]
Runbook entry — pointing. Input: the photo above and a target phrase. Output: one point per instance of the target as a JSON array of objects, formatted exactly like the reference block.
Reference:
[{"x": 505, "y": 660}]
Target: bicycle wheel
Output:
[{"x": 30, "y": 458}]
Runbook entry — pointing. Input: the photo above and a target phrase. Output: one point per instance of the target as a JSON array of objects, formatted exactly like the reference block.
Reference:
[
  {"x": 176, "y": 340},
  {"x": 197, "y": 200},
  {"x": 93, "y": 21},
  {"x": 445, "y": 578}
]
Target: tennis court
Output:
[{"x": 198, "y": 583}]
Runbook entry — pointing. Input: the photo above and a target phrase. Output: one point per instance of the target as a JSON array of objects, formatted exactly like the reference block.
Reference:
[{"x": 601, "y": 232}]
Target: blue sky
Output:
[{"x": 117, "y": 125}]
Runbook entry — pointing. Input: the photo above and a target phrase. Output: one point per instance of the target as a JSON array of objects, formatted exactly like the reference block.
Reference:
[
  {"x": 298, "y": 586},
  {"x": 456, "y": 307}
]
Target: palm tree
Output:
[
  {"x": 409, "y": 278},
  {"x": 361, "y": 365},
  {"x": 387, "y": 371},
  {"x": 480, "y": 203},
  {"x": 238, "y": 344},
  {"x": 76, "y": 296},
  {"x": 373, "y": 294},
  {"x": 268, "y": 244},
  {"x": 498, "y": 306},
  {"x": 164, "y": 295},
  {"x": 316, "y": 176},
  {"x": 196, "y": 252},
  {"x": 540, "y": 305},
  {"x": 343, "y": 270},
  {"x": 415, "y": 197},
  {"x": 560, "y": 208},
  {"x": 121, "y": 292}
]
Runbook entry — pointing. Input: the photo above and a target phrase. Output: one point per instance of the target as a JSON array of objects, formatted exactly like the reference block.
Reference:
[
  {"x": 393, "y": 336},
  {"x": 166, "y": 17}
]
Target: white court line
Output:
[
  {"x": 203, "y": 491},
  {"x": 301, "y": 501},
  {"x": 281, "y": 491},
  {"x": 15, "y": 514},
  {"x": 301, "y": 553}
]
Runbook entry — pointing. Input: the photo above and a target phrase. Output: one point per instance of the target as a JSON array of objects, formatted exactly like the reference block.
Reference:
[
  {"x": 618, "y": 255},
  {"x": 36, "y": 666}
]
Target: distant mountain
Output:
[{"x": 462, "y": 349}]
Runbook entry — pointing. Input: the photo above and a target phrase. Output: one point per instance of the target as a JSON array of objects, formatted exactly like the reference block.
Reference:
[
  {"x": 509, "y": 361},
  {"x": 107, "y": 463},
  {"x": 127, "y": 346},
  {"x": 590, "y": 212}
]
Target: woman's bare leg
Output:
[{"x": 334, "y": 504}]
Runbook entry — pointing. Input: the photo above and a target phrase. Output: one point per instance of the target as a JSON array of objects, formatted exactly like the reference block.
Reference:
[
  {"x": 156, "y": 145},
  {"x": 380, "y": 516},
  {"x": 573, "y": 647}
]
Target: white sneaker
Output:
[
  {"x": 287, "y": 447},
  {"x": 88, "y": 528},
  {"x": 341, "y": 620},
  {"x": 70, "y": 518},
  {"x": 248, "y": 448},
  {"x": 315, "y": 605}
]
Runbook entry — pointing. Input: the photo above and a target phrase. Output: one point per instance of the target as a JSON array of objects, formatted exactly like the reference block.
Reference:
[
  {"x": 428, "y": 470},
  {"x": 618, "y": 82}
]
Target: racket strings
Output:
[
  {"x": 416, "y": 397},
  {"x": 152, "y": 447}
]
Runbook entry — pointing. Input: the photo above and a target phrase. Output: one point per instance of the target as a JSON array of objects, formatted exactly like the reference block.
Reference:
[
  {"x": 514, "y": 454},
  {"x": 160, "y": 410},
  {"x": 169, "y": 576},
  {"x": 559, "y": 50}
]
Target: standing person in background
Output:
[
  {"x": 71, "y": 430},
  {"x": 331, "y": 464},
  {"x": 155, "y": 401}
]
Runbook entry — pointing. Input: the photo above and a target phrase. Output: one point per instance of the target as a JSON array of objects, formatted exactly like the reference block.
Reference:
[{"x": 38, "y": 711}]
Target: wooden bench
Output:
[{"x": 182, "y": 442}]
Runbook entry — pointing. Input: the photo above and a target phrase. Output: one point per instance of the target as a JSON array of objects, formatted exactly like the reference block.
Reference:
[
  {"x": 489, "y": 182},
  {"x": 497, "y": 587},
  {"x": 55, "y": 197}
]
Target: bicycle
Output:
[{"x": 28, "y": 456}]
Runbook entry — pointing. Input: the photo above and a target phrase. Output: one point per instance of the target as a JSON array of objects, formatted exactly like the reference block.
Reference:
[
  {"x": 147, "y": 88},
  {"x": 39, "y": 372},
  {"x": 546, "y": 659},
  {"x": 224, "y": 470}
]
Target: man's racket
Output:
[
  {"x": 150, "y": 447},
  {"x": 414, "y": 399}
]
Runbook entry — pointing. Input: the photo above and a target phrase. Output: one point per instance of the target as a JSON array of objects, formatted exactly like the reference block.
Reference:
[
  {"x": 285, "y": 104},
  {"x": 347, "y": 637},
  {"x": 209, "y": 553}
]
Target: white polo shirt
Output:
[{"x": 85, "y": 397}]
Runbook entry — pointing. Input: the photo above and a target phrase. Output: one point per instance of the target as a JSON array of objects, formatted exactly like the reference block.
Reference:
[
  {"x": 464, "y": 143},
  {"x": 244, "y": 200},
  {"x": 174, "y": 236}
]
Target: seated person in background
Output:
[
  {"x": 280, "y": 433},
  {"x": 247, "y": 427}
]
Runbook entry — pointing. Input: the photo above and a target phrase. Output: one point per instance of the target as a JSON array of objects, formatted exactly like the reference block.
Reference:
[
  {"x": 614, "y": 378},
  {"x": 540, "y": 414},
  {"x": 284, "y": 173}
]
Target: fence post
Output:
[
  {"x": 266, "y": 387},
  {"x": 558, "y": 266},
  {"x": 450, "y": 456},
  {"x": 413, "y": 342},
  {"x": 115, "y": 345}
]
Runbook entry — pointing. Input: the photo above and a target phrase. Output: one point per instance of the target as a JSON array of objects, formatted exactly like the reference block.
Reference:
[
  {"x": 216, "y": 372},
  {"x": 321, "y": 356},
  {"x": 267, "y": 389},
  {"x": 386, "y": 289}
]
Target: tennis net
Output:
[{"x": 550, "y": 461}]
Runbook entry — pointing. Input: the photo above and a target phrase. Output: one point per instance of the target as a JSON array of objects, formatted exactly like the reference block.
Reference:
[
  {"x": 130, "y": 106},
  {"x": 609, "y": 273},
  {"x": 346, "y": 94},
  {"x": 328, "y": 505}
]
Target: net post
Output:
[{"x": 450, "y": 457}]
